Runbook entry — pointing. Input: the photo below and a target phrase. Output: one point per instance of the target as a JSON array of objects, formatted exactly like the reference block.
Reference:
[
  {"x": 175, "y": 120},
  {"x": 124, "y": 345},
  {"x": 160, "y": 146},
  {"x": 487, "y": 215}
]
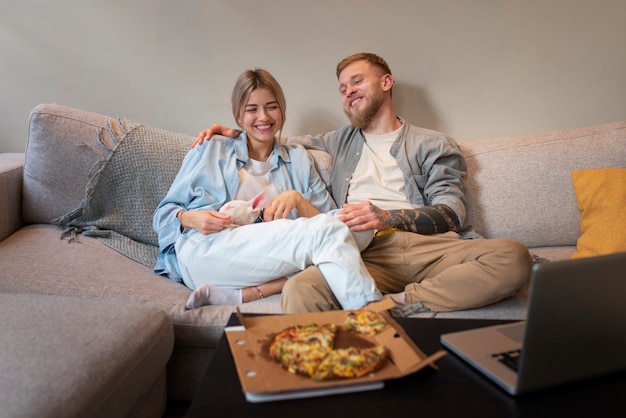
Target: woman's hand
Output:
[
  {"x": 216, "y": 129},
  {"x": 281, "y": 205},
  {"x": 284, "y": 203},
  {"x": 205, "y": 221}
]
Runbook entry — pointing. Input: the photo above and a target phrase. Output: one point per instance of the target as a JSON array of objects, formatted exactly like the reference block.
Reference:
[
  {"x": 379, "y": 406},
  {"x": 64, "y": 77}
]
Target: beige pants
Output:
[{"x": 444, "y": 272}]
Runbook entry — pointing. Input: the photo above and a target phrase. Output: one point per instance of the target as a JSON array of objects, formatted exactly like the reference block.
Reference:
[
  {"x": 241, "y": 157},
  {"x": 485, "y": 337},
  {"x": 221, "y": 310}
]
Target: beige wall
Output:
[{"x": 470, "y": 68}]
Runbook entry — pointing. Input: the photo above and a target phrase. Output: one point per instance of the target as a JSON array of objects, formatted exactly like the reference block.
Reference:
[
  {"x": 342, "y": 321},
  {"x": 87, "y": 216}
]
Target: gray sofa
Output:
[{"x": 518, "y": 188}]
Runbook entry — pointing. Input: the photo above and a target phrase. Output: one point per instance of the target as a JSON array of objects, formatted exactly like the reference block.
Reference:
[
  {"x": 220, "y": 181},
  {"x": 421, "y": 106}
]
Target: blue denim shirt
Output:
[{"x": 209, "y": 177}]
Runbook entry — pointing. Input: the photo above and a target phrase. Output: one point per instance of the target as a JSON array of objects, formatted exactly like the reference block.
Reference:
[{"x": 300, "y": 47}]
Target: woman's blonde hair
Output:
[{"x": 251, "y": 80}]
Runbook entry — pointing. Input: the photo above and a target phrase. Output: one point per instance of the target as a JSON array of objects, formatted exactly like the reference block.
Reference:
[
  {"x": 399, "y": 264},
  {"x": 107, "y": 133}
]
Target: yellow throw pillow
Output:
[{"x": 601, "y": 196}]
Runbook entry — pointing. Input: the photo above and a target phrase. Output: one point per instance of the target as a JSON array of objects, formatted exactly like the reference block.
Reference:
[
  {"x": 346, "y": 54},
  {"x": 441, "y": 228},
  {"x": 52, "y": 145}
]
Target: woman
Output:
[{"x": 229, "y": 264}]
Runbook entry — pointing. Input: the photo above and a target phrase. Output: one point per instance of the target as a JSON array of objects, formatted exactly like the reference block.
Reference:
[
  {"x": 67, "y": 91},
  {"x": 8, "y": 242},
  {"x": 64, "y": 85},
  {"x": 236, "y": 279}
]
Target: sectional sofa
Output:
[{"x": 104, "y": 175}]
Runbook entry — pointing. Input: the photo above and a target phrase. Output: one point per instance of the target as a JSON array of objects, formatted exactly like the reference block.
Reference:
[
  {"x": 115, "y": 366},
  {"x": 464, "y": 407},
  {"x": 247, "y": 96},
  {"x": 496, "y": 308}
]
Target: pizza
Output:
[
  {"x": 309, "y": 350},
  {"x": 301, "y": 349},
  {"x": 366, "y": 322},
  {"x": 351, "y": 362}
]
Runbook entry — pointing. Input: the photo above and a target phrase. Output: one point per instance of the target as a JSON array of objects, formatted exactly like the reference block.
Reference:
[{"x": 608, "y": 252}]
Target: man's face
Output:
[{"x": 360, "y": 86}]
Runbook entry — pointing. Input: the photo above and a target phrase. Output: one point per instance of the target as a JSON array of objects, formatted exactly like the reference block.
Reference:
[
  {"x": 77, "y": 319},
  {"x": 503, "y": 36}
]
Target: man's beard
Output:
[{"x": 362, "y": 118}]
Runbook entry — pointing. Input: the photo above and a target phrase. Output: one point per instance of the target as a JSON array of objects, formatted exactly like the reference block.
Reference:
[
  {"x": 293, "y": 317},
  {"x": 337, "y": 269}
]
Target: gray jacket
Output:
[{"x": 432, "y": 164}]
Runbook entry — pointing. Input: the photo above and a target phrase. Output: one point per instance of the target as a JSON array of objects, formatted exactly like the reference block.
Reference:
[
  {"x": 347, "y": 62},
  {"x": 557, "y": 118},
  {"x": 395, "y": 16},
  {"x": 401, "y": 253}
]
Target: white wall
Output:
[{"x": 470, "y": 68}]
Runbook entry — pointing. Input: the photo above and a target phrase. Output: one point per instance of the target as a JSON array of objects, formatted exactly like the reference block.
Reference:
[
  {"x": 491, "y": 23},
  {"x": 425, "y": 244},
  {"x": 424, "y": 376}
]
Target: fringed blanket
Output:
[{"x": 125, "y": 188}]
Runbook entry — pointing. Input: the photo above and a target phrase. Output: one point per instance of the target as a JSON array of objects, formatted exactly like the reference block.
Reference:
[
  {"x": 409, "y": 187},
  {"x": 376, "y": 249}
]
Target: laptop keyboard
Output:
[{"x": 509, "y": 359}]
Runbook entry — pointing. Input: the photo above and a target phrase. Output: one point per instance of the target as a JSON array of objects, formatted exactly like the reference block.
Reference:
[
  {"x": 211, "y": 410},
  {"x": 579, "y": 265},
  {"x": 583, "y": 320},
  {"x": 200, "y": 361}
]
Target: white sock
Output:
[{"x": 208, "y": 294}]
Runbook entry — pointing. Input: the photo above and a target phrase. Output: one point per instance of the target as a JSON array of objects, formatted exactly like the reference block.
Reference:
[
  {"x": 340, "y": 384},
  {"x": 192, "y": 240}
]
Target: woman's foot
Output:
[{"x": 213, "y": 295}]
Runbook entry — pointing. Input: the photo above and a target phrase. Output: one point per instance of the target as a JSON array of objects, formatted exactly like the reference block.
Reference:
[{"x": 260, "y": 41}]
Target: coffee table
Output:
[{"x": 454, "y": 390}]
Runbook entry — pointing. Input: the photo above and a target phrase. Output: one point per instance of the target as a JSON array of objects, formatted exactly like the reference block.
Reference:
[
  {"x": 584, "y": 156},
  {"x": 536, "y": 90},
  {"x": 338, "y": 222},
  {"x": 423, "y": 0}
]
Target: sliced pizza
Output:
[
  {"x": 309, "y": 350},
  {"x": 301, "y": 348},
  {"x": 351, "y": 362},
  {"x": 365, "y": 322}
]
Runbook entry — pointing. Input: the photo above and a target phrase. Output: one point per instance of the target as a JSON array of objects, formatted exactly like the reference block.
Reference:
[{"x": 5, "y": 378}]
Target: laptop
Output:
[{"x": 575, "y": 328}]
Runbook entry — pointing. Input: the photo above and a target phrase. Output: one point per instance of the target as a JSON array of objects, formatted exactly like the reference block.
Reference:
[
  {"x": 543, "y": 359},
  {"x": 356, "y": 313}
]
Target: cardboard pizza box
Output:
[{"x": 263, "y": 379}]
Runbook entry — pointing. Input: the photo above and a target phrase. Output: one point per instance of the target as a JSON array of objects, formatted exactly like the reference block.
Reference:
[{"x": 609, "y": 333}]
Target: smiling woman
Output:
[{"x": 227, "y": 264}]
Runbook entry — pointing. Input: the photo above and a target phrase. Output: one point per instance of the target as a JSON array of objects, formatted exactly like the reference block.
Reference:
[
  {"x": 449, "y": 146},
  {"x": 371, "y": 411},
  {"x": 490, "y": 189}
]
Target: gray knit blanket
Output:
[{"x": 125, "y": 188}]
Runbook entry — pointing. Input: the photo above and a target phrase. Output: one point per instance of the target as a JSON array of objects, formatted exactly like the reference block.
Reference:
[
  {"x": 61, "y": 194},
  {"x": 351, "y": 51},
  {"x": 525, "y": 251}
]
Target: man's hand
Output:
[
  {"x": 205, "y": 221},
  {"x": 427, "y": 220},
  {"x": 216, "y": 129},
  {"x": 364, "y": 216}
]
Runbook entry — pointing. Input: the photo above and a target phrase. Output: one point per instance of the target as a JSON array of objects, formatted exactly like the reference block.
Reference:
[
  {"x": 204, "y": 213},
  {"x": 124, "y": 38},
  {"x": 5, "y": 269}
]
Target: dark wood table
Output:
[{"x": 454, "y": 390}]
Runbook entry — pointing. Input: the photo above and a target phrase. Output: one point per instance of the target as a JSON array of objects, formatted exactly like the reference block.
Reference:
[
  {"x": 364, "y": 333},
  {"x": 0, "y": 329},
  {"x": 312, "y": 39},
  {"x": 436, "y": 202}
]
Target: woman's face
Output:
[{"x": 261, "y": 117}]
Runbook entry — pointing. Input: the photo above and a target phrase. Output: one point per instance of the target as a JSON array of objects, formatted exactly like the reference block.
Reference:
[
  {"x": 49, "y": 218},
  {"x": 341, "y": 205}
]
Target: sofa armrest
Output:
[{"x": 11, "y": 170}]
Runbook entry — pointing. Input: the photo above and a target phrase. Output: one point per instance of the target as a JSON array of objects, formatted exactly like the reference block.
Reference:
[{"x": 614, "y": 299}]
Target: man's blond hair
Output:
[{"x": 364, "y": 56}]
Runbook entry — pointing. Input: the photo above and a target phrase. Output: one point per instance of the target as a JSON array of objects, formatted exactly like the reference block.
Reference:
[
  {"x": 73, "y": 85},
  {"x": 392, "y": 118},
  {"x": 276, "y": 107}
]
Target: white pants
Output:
[
  {"x": 363, "y": 239},
  {"x": 254, "y": 254}
]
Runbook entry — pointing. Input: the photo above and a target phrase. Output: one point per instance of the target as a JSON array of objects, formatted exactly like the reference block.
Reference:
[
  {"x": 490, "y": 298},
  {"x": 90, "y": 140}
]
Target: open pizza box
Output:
[{"x": 263, "y": 379}]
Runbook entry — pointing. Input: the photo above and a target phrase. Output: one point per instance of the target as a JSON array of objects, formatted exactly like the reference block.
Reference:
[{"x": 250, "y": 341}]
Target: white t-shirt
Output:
[
  {"x": 254, "y": 178},
  {"x": 377, "y": 177}
]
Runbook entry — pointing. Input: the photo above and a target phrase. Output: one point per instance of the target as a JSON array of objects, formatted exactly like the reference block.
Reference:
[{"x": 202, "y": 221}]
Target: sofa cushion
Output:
[
  {"x": 74, "y": 357},
  {"x": 64, "y": 146},
  {"x": 601, "y": 196},
  {"x": 521, "y": 188}
]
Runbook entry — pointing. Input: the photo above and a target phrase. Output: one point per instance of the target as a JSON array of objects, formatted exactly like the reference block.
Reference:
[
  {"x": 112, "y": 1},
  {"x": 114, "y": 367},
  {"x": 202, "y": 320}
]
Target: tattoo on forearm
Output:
[{"x": 427, "y": 220}]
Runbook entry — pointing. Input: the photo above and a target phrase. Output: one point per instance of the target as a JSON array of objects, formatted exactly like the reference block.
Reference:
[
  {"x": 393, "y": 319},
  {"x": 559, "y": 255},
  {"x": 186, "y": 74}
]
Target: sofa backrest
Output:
[
  {"x": 517, "y": 187},
  {"x": 521, "y": 187}
]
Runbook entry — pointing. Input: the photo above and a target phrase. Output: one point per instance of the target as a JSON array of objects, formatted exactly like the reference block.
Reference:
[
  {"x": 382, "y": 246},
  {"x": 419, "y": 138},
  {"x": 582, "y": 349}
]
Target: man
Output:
[{"x": 406, "y": 183}]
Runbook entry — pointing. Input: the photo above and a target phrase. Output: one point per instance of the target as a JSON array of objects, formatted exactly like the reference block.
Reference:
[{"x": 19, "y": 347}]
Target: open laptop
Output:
[{"x": 575, "y": 328}]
